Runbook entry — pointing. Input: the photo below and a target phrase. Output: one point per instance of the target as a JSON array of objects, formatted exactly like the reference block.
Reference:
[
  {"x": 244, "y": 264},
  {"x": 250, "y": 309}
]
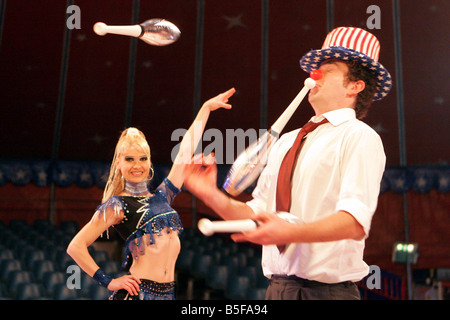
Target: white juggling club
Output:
[{"x": 208, "y": 227}]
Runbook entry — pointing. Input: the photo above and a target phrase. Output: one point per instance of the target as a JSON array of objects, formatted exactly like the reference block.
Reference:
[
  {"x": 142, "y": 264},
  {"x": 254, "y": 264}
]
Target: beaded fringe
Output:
[{"x": 145, "y": 235}]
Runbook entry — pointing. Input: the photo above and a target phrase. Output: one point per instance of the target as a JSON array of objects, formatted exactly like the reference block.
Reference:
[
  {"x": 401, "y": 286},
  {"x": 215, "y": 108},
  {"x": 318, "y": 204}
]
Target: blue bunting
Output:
[
  {"x": 424, "y": 180},
  {"x": 64, "y": 173},
  {"x": 3, "y": 174},
  {"x": 84, "y": 177},
  {"x": 19, "y": 173},
  {"x": 399, "y": 179},
  {"x": 100, "y": 173},
  {"x": 42, "y": 173},
  {"x": 443, "y": 180}
]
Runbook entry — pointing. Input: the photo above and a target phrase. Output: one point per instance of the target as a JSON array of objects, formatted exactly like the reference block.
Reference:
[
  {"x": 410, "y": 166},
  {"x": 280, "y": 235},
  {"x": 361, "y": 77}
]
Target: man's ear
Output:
[{"x": 356, "y": 87}]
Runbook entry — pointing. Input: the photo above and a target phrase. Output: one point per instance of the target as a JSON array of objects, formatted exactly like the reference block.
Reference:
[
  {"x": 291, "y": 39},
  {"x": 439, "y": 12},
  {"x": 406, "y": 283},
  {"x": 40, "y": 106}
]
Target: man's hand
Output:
[
  {"x": 272, "y": 230},
  {"x": 200, "y": 176}
]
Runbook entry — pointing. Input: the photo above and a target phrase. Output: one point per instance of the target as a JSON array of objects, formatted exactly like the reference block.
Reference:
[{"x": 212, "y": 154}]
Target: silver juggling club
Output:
[
  {"x": 249, "y": 164},
  {"x": 156, "y": 32}
]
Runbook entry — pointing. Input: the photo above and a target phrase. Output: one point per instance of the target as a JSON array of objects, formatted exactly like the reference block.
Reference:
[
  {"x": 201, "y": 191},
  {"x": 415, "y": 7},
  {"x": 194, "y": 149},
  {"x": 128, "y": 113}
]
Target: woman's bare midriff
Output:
[{"x": 158, "y": 262}]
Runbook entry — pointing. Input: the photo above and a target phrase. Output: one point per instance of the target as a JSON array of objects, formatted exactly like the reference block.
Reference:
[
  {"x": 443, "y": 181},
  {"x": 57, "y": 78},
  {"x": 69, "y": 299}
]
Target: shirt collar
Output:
[{"x": 336, "y": 117}]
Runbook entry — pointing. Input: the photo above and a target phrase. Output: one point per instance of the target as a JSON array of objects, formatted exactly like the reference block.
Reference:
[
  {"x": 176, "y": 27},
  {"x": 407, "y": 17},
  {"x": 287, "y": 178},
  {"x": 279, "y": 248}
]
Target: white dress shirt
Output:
[{"x": 339, "y": 168}]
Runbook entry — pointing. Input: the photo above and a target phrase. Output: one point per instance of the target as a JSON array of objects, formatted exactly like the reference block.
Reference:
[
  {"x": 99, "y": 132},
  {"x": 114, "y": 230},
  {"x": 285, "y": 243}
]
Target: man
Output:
[{"x": 332, "y": 187}]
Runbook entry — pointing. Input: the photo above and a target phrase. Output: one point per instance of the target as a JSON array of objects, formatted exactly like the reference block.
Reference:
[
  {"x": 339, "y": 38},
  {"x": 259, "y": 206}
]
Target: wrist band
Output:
[{"x": 102, "y": 278}]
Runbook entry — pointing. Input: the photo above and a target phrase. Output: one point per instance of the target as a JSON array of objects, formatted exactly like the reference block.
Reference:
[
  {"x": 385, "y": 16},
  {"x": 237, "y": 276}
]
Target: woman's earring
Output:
[{"x": 152, "y": 173}]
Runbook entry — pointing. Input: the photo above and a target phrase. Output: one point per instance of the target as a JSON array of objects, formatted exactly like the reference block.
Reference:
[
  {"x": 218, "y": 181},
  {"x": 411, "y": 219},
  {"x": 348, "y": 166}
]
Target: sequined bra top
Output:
[{"x": 143, "y": 218}]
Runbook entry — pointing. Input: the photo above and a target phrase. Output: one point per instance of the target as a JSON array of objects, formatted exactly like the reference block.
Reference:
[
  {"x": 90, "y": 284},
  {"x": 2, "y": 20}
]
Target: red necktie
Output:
[{"x": 285, "y": 174}]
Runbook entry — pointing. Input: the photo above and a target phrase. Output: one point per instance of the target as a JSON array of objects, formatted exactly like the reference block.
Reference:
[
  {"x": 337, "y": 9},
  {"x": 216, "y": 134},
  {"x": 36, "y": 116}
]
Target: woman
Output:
[{"x": 146, "y": 221}]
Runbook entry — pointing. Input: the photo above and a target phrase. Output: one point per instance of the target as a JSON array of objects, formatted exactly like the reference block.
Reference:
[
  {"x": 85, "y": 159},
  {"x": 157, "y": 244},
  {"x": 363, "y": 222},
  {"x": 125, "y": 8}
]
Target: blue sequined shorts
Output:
[{"x": 149, "y": 290}]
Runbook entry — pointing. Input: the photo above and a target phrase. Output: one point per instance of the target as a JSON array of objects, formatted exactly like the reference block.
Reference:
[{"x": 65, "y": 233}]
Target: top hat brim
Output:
[{"x": 314, "y": 58}]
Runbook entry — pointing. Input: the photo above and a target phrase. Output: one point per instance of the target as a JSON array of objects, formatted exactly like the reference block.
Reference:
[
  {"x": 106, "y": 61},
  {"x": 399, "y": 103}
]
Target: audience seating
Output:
[
  {"x": 218, "y": 266},
  {"x": 30, "y": 291},
  {"x": 33, "y": 263}
]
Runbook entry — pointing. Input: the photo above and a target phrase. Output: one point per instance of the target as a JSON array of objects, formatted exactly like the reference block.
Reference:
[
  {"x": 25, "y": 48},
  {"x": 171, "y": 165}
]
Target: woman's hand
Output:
[
  {"x": 127, "y": 282},
  {"x": 192, "y": 137},
  {"x": 219, "y": 101}
]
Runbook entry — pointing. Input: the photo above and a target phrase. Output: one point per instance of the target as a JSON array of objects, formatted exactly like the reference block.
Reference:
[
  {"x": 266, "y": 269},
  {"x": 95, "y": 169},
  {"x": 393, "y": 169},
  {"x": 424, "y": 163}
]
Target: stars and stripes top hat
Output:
[{"x": 348, "y": 43}]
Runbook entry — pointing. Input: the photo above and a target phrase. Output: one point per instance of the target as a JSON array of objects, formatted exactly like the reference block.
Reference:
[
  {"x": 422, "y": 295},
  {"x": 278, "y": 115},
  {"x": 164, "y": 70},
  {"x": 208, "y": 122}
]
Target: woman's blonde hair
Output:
[{"x": 129, "y": 137}]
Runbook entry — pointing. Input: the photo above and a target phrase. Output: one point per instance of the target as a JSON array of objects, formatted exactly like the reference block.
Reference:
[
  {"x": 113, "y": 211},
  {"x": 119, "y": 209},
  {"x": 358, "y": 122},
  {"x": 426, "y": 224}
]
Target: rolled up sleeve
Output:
[{"x": 362, "y": 167}]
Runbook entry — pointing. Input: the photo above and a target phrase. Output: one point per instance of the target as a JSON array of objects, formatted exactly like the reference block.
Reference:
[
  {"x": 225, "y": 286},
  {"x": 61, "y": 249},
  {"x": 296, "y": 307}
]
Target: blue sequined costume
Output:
[{"x": 145, "y": 216}]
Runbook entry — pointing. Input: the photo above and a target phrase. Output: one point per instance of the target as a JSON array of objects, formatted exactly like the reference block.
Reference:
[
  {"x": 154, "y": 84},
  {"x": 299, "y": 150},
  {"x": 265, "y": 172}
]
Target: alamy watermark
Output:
[
  {"x": 74, "y": 19},
  {"x": 373, "y": 280},
  {"x": 224, "y": 146},
  {"x": 374, "y": 20},
  {"x": 74, "y": 279}
]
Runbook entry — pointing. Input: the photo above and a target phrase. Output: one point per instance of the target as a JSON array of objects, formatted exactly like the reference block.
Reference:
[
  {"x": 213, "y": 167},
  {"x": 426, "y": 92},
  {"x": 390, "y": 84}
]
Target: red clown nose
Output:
[{"x": 316, "y": 74}]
